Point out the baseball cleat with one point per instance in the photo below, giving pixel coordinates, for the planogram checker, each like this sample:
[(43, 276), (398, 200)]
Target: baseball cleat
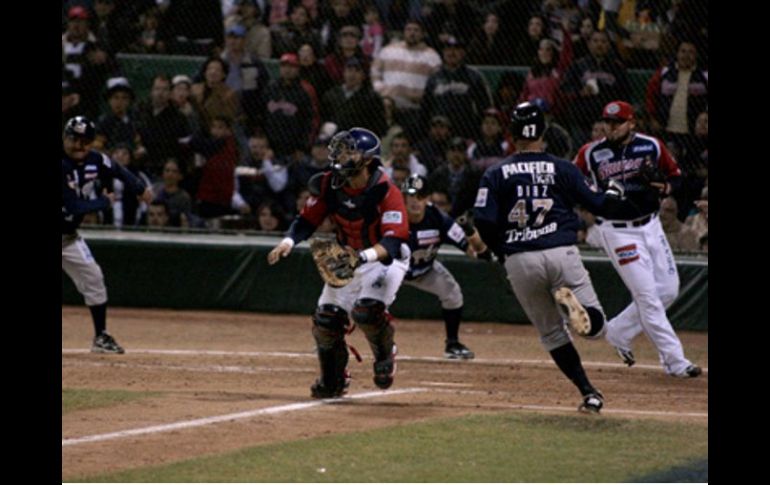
[(105, 344), (384, 370), (578, 316), (320, 391), (455, 350), (626, 356), (691, 371), (592, 403)]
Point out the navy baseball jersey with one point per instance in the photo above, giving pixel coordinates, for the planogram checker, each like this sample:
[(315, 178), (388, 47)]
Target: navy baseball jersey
[(82, 184), (603, 161), (426, 236), (528, 198)]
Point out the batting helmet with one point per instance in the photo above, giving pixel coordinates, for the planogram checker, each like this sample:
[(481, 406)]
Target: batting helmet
[(80, 127), (527, 121), (416, 184), (358, 140)]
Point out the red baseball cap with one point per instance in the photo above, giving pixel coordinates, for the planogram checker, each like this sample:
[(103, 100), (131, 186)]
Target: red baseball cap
[(618, 110), (290, 58), (77, 12)]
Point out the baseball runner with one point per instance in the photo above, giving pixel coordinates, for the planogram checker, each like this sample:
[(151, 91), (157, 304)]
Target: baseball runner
[(86, 177), (634, 239), (429, 227), (370, 216), (524, 213)]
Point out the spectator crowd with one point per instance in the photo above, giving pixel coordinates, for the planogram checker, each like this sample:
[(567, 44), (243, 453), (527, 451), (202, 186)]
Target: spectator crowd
[(233, 145)]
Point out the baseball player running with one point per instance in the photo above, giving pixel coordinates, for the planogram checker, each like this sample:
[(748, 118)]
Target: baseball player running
[(634, 238), (86, 175), (429, 227), (524, 213), (371, 218)]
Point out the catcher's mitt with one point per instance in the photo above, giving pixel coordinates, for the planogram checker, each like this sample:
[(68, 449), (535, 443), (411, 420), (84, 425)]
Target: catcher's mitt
[(335, 263)]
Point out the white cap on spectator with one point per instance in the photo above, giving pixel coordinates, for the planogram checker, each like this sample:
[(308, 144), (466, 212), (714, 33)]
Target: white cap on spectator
[(114, 82), (181, 78)]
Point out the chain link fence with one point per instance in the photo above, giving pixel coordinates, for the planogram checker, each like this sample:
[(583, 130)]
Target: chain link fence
[(226, 105)]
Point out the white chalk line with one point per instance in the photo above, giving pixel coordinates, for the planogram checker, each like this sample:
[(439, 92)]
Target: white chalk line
[(234, 369), (405, 358), (233, 417), (447, 384), (610, 411), (534, 407)]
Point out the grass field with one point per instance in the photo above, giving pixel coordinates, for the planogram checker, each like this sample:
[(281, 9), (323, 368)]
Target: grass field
[(205, 396), (79, 399), (521, 447)]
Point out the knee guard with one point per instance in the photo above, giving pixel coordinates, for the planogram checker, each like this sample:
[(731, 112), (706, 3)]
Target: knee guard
[(597, 322), (330, 323), (368, 312), (374, 321)]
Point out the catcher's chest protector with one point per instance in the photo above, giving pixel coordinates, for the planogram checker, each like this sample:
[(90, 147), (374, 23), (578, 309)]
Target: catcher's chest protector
[(356, 214)]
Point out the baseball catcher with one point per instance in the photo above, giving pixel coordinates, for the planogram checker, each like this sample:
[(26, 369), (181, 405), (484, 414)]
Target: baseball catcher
[(363, 269)]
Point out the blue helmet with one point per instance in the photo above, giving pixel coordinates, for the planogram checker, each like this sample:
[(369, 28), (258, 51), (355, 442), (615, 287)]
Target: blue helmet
[(356, 139), (80, 127), (527, 121)]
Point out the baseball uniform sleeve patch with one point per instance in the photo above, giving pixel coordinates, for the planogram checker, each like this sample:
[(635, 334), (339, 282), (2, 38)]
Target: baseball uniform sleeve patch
[(481, 197), (456, 233), (392, 217)]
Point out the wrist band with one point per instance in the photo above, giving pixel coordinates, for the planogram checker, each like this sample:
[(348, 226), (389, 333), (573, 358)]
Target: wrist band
[(368, 255), (288, 241)]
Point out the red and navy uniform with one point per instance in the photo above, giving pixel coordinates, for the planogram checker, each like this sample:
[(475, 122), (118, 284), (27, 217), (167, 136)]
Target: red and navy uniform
[(426, 236), (364, 217), (604, 161)]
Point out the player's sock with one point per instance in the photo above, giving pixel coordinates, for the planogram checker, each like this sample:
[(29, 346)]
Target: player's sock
[(452, 322), (568, 360), (99, 315)]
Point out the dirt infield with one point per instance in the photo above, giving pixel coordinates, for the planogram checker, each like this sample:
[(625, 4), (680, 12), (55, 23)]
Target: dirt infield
[(210, 364)]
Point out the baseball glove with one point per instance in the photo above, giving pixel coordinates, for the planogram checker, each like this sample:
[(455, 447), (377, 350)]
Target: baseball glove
[(335, 263), (650, 174)]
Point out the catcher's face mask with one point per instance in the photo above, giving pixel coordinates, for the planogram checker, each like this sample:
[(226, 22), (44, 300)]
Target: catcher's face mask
[(346, 159)]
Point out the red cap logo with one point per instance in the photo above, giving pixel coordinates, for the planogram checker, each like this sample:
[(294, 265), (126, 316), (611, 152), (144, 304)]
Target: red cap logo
[(618, 110)]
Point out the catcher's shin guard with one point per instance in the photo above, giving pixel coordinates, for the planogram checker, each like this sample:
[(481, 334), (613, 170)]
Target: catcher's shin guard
[(374, 321), (330, 324)]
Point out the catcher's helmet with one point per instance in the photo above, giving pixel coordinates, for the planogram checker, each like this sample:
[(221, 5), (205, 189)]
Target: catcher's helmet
[(80, 127), (527, 121), (416, 184), (356, 139)]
